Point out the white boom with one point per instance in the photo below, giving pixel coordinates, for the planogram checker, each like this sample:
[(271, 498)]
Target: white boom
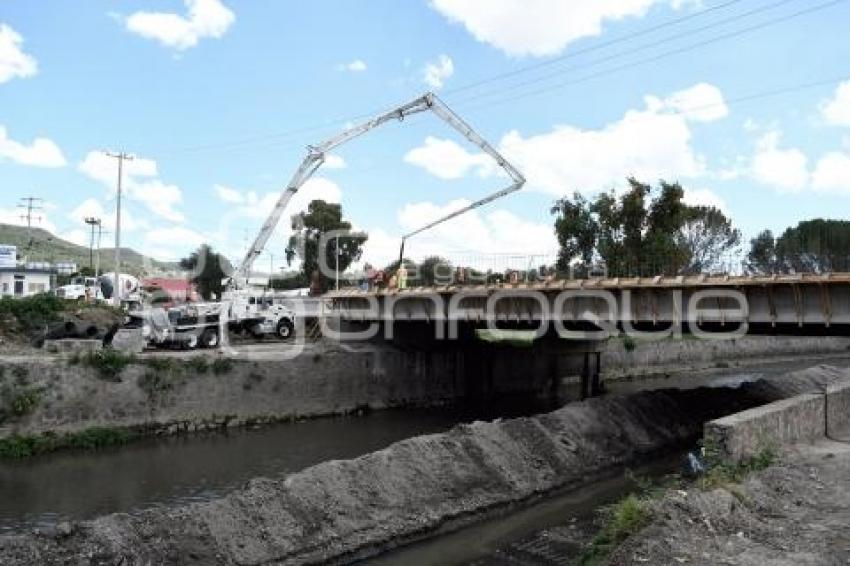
[(316, 156)]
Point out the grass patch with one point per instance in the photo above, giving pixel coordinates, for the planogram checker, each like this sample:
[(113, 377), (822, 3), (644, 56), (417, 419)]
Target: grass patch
[(514, 338), (154, 383), (108, 363), (724, 474), (18, 447), (622, 520), (198, 364), (222, 365)]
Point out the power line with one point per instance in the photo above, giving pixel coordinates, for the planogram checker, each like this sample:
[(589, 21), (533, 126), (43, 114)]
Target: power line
[(333, 123), (592, 48), (637, 49), (662, 55)]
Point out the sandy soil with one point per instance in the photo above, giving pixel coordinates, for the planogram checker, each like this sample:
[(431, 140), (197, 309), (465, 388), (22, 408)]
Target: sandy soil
[(796, 512)]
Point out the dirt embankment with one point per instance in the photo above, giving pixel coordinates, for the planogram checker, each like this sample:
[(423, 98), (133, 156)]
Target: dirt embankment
[(793, 513), (345, 509)]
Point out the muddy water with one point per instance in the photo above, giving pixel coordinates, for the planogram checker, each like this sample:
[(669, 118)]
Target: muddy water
[(551, 530), (171, 470)]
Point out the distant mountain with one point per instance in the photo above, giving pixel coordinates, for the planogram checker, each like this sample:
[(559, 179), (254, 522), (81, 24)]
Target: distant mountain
[(38, 244)]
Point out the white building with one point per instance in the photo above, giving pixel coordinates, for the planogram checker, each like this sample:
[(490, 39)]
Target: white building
[(25, 281)]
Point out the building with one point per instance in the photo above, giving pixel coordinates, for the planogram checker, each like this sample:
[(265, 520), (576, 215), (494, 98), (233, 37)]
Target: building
[(26, 280), (66, 267)]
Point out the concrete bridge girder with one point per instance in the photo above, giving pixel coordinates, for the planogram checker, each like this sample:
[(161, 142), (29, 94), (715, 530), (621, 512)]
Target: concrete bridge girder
[(797, 302)]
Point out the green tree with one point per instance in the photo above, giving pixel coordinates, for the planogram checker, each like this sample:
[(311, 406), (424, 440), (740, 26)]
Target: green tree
[(208, 270), (321, 218), (642, 231), (762, 256), (576, 230), (815, 245), (705, 238)]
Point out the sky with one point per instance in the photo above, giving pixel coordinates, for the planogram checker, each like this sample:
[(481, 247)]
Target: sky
[(746, 103)]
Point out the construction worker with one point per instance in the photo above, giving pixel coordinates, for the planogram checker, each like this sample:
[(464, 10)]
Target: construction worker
[(401, 276)]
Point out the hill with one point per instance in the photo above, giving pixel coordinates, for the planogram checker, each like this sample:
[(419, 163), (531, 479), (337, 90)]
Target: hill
[(40, 245)]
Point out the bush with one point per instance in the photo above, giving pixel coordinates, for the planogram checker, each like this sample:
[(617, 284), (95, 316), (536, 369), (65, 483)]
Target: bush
[(629, 343), (222, 365), (198, 364), (622, 520), (154, 383), (32, 313), (108, 363)]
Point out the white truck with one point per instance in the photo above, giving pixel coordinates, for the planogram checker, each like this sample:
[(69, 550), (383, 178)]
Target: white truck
[(197, 325), (100, 288)]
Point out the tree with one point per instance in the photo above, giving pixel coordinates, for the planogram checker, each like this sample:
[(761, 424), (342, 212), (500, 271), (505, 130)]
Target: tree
[(207, 269), (575, 229), (705, 237), (814, 246), (762, 256), (321, 218), (642, 231)]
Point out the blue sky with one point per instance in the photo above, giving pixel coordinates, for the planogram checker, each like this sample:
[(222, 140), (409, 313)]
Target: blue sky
[(218, 99)]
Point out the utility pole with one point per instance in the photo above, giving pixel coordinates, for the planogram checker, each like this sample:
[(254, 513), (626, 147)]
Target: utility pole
[(92, 221), (121, 157), (30, 204), (336, 258), (100, 233)]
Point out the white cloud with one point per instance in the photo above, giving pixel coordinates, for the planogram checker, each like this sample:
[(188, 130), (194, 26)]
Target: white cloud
[(784, 169), (140, 183), (13, 61), (497, 232), (705, 197), (42, 152), (649, 144), (438, 72), (538, 27), (356, 66), (206, 18), (702, 102), (333, 161), (92, 208), (836, 111), (229, 195), (832, 173), (446, 159), (77, 236)]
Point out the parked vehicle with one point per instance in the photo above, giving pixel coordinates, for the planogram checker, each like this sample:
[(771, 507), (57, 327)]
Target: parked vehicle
[(197, 325)]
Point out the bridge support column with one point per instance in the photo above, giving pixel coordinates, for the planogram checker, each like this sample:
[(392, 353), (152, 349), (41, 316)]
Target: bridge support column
[(591, 383)]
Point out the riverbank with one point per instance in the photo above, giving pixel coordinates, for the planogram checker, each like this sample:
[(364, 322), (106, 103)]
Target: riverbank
[(794, 512), (346, 509), (50, 402)]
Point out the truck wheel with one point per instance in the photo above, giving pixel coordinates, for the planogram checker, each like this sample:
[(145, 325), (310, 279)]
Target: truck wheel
[(285, 329), (209, 339), (192, 342)]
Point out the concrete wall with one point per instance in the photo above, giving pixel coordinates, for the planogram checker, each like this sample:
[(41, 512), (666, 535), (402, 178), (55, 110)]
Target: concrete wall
[(662, 355), (802, 418)]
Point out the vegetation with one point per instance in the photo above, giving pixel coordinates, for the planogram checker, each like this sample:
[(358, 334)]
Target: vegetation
[(725, 474), (812, 246), (29, 313), (323, 217), (222, 365), (109, 363), (17, 447), (629, 343), (208, 270), (641, 232), (153, 383), (622, 520)]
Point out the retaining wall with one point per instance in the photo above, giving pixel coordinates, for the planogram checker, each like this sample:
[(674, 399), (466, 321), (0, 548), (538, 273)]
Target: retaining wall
[(802, 418), (669, 354)]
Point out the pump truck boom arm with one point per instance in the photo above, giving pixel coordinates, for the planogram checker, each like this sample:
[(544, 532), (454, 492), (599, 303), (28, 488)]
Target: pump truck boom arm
[(316, 156)]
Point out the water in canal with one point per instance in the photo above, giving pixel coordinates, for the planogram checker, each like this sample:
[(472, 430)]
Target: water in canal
[(79, 485)]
